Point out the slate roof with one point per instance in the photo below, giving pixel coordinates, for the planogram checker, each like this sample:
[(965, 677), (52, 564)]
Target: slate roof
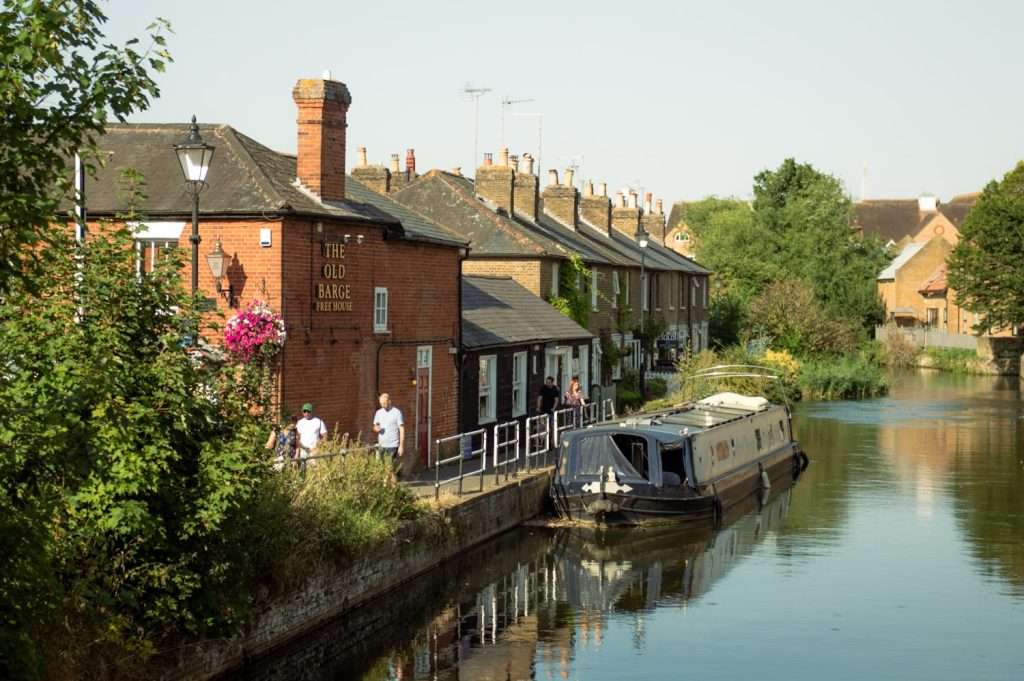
[(893, 219), (246, 178), (908, 252), (496, 311)]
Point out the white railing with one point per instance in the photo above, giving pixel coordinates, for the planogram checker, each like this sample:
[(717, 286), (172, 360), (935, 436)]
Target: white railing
[(589, 414), (608, 409), (538, 438), (505, 452), (561, 421), (466, 451)]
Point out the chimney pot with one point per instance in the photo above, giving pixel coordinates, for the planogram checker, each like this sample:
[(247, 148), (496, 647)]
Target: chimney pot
[(648, 197), (552, 178), (488, 159), (588, 188), (457, 170), (410, 161), (394, 163), (528, 162), (604, 189), (621, 199), (632, 200), (362, 157), (569, 177), (513, 162), (503, 156), (660, 207)]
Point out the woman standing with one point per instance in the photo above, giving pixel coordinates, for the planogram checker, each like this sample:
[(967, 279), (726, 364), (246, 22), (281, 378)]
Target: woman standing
[(575, 399)]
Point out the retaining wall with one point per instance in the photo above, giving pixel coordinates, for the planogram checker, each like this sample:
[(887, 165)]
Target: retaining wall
[(328, 595)]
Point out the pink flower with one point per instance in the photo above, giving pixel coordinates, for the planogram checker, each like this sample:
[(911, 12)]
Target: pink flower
[(256, 329)]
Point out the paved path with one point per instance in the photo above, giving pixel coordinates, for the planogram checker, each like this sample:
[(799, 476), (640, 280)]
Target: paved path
[(422, 482)]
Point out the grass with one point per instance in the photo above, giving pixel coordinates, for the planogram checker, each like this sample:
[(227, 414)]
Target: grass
[(954, 360), (844, 378)]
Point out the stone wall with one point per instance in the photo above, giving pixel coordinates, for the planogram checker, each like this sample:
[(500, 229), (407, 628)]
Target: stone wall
[(1001, 355), (330, 594)]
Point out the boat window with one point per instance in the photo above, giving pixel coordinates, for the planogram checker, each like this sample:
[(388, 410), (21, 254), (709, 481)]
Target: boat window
[(672, 471), (635, 449), (596, 455), (757, 434)]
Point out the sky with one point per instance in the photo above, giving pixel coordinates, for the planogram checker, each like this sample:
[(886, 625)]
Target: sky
[(684, 99)]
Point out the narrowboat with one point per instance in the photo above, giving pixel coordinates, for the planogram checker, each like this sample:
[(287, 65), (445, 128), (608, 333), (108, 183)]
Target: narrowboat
[(691, 462)]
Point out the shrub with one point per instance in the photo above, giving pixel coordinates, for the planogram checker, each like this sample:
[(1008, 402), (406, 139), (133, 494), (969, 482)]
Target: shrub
[(791, 316), (955, 360), (692, 387), (850, 377), (727, 317), (628, 399), (656, 387), (899, 352)]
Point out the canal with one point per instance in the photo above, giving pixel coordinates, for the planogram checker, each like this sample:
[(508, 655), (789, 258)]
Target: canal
[(898, 554)]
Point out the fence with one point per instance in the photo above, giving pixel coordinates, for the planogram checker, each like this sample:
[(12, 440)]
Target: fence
[(514, 446), (924, 337)]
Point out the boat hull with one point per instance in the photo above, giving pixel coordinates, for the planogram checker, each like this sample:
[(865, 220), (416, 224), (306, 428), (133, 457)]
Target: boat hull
[(708, 503)]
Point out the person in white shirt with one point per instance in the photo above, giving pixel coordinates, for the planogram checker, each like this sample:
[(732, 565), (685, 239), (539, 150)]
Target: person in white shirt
[(311, 430), (390, 428)]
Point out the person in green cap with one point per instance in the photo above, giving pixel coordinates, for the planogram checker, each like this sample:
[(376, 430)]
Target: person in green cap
[(311, 430)]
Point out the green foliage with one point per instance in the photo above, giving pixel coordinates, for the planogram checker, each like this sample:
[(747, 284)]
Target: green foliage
[(58, 84), (573, 298), (792, 318), (656, 387), (850, 377), (985, 267), (783, 390), (797, 228), (125, 452), (611, 354), (727, 317), (953, 360), (897, 351), (654, 328)]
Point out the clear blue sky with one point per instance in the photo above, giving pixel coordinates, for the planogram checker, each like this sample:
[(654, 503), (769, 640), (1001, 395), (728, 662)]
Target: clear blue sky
[(685, 99)]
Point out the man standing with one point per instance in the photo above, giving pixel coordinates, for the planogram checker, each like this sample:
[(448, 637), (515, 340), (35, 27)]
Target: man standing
[(390, 428), (311, 430), (549, 396)]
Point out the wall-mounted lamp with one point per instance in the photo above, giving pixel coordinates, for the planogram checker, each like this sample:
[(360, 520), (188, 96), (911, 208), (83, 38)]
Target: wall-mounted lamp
[(215, 259), (412, 377), (346, 238), (359, 239)]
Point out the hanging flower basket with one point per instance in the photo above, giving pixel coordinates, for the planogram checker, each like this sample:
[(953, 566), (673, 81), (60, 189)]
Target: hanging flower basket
[(256, 330)]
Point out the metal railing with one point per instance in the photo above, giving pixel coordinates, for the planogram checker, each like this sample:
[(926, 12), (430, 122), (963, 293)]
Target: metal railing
[(505, 452), (466, 451), (608, 409), (589, 414), (538, 438)]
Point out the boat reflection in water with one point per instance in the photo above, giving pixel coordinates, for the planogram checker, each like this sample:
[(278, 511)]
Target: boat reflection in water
[(529, 623)]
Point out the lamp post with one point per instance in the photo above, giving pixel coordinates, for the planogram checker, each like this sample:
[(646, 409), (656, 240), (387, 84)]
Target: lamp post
[(641, 237), (194, 157)]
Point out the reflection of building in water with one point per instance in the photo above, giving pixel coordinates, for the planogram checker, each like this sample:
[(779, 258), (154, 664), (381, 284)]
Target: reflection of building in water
[(529, 623)]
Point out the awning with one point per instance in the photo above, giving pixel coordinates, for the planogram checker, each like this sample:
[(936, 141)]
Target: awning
[(904, 312)]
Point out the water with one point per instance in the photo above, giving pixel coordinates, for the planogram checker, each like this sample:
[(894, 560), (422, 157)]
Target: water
[(899, 554)]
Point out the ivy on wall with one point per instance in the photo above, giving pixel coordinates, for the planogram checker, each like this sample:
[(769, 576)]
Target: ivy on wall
[(573, 298)]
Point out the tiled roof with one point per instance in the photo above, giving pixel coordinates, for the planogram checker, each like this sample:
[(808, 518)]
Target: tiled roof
[(496, 311), (908, 252), (937, 282), (245, 178), (893, 219)]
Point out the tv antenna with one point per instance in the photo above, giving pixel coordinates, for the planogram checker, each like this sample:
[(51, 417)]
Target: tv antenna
[(506, 102), (475, 92)]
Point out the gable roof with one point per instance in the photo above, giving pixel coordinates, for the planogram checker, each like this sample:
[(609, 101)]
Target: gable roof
[(893, 219), (245, 178), (496, 311), (936, 283), (908, 252)]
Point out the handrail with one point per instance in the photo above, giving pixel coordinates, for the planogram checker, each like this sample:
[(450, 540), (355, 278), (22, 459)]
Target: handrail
[(502, 443), (538, 437), (466, 451)]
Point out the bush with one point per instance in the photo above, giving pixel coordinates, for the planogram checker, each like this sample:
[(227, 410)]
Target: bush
[(783, 389), (955, 360), (850, 377), (727, 317), (898, 351), (789, 314), (656, 387), (628, 399)]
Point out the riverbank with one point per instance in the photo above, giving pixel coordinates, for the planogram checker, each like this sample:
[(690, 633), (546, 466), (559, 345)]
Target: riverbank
[(330, 591)]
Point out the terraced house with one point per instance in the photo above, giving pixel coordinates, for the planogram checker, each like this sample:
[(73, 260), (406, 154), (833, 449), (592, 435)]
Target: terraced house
[(533, 236)]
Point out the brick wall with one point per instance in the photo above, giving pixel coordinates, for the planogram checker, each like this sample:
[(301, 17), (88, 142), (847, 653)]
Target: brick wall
[(532, 274)]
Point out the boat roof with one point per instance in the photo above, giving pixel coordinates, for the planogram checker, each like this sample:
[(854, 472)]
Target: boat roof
[(678, 423)]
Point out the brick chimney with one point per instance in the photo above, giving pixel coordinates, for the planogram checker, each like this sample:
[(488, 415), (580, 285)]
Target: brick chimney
[(495, 182), (595, 208), (654, 224), (377, 177), (561, 200), (524, 196), (320, 155), (402, 178), (626, 215)]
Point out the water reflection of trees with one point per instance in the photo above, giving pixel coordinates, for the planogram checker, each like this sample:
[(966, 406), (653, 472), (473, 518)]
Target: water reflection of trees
[(529, 623)]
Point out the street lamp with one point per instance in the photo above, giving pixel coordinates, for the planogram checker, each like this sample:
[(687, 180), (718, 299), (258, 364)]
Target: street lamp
[(194, 157), (642, 237)]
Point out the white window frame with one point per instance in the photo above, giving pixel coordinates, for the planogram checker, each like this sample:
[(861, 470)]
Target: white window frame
[(617, 368), (615, 289), (584, 368), (595, 354), (380, 311), (554, 279), (519, 383), (486, 388), (593, 288)]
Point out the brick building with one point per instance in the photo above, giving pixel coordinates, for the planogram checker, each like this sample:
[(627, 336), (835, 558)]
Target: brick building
[(369, 289), (518, 231)]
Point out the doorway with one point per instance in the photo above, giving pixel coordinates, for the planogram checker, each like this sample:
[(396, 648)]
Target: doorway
[(424, 365)]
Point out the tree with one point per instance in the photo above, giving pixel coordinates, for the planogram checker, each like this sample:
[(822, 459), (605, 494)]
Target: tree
[(126, 450), (985, 267), (58, 84), (733, 244)]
